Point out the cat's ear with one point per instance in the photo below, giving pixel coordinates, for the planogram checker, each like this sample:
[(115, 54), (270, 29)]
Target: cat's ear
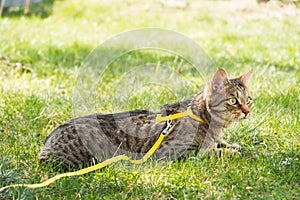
[(219, 80), (244, 79)]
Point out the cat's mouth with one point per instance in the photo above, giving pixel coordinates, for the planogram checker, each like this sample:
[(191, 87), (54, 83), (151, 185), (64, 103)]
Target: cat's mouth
[(240, 116)]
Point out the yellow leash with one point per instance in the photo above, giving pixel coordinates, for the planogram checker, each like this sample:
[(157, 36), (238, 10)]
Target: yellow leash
[(92, 168), (159, 118)]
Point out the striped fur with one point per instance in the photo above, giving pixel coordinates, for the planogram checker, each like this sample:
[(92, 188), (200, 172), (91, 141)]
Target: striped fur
[(82, 140)]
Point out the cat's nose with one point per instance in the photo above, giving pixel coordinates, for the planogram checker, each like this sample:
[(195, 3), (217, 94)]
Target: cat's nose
[(245, 110), (246, 113)]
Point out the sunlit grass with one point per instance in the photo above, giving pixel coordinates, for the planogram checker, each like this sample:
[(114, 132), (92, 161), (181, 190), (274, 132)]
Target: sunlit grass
[(40, 57)]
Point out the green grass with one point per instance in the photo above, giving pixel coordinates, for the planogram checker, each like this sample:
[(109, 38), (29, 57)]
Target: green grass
[(40, 57)]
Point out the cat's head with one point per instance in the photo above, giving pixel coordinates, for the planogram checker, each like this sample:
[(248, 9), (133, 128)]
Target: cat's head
[(228, 99)]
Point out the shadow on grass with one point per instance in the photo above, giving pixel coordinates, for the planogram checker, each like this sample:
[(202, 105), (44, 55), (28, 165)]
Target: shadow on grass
[(232, 62), (46, 60)]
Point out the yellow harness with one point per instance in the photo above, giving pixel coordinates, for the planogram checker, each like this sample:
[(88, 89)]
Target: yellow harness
[(159, 118), (188, 113)]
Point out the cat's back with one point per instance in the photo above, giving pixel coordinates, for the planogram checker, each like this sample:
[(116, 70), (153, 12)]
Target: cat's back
[(101, 136), (79, 140)]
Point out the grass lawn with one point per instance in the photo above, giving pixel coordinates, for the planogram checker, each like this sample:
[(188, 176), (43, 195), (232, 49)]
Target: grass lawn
[(41, 55)]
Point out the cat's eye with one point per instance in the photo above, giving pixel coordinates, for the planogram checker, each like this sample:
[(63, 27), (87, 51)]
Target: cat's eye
[(232, 101), (248, 100)]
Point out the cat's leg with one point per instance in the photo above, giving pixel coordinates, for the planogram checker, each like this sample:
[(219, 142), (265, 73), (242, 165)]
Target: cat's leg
[(228, 151), (221, 146), (224, 144)]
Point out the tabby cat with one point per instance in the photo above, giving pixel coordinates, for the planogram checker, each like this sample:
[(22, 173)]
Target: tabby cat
[(84, 140)]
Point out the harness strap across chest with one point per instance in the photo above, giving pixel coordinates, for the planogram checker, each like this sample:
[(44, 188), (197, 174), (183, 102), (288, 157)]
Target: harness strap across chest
[(187, 113)]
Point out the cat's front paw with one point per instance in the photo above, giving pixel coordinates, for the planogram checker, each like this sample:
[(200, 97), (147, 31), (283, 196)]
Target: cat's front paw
[(232, 151), (228, 151), (236, 146), (224, 144)]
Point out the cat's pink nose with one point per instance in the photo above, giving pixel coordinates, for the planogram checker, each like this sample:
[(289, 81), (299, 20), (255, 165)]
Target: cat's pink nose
[(245, 110)]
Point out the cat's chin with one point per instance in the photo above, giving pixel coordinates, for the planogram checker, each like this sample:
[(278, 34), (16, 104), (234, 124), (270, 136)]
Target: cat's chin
[(237, 119), (240, 118)]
